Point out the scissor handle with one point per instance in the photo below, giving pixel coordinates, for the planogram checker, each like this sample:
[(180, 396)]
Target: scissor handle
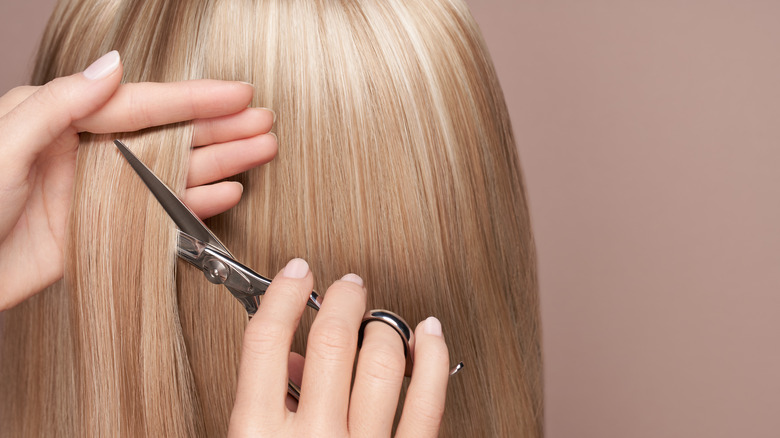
[(399, 325), (200, 247), (396, 323), (380, 315)]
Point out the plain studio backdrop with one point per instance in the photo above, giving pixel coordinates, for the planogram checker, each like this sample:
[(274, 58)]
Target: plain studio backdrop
[(649, 134)]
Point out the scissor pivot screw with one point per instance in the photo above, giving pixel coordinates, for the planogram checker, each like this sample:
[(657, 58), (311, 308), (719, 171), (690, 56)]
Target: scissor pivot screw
[(216, 271)]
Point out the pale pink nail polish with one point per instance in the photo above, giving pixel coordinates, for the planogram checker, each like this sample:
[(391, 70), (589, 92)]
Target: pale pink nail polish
[(103, 67), (354, 278), (296, 268), (432, 326)]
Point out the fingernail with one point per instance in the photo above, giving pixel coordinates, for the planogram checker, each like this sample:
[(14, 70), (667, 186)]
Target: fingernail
[(432, 326), (353, 278), (103, 67), (241, 186), (296, 268), (271, 111)]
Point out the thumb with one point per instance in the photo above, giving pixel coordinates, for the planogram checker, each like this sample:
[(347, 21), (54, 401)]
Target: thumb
[(49, 112)]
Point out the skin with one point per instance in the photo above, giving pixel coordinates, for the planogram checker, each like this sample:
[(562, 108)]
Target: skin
[(328, 407), (39, 140)]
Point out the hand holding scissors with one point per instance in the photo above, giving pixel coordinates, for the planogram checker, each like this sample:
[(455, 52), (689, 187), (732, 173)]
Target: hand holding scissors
[(198, 246), (39, 129), (40, 126), (328, 406)]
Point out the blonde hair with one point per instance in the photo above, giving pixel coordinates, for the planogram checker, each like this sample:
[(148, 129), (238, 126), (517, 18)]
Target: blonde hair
[(396, 161)]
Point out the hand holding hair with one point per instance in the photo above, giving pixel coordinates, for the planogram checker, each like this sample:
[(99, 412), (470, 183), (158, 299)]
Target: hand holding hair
[(327, 407), (39, 129)]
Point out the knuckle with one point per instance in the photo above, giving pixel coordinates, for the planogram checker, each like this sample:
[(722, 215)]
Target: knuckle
[(383, 362), (46, 94), (437, 352), (288, 290), (192, 100), (220, 163), (138, 114), (204, 129), (245, 423), (262, 338), (330, 339), (319, 429), (55, 92), (428, 411), (55, 89), (352, 291)]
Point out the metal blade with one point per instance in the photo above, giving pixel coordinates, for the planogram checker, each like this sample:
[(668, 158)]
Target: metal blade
[(182, 216)]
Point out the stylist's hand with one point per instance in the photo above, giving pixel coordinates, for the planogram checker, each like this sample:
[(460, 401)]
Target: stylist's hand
[(327, 407), (39, 129)]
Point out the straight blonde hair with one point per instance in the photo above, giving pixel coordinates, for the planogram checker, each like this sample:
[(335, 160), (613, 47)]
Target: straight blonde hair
[(396, 161)]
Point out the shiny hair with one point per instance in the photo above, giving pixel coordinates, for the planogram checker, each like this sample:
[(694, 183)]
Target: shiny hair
[(396, 161)]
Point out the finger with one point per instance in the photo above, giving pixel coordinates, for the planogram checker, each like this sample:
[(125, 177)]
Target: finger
[(424, 405), (215, 162), (211, 200), (262, 378), (380, 373), (50, 111), (295, 364), (244, 124), (14, 97), (142, 105), (330, 355)]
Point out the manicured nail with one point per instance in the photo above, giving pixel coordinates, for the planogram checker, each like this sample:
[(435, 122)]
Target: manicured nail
[(432, 326), (241, 186), (271, 111), (248, 83), (103, 67), (296, 268), (353, 278)]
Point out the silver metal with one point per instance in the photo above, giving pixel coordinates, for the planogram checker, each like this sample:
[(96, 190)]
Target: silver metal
[(244, 283), (456, 369), (294, 390), (198, 246), (182, 216), (396, 323), (403, 329), (215, 271)]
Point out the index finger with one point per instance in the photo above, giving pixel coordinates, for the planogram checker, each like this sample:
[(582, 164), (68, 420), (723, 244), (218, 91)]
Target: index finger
[(146, 104), (262, 377)]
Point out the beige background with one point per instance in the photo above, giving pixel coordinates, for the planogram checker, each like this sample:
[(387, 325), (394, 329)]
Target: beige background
[(649, 133)]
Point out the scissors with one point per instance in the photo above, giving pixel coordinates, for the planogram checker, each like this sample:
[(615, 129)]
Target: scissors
[(198, 246)]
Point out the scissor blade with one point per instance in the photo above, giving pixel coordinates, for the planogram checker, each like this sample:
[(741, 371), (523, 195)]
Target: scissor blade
[(182, 216)]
